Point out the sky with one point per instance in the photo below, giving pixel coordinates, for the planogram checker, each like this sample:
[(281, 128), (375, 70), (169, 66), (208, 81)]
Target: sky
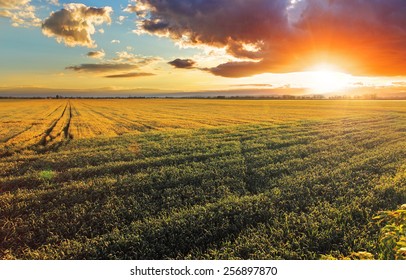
[(150, 46)]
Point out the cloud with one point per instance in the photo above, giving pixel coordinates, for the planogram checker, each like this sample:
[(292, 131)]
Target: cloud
[(121, 19), (237, 69), (96, 54), (75, 24), (20, 12), (182, 63), (216, 23), (101, 67), (129, 75), (126, 57), (53, 2), (110, 70), (124, 65), (253, 85), (11, 4), (403, 84), (361, 37), (5, 13), (115, 41)]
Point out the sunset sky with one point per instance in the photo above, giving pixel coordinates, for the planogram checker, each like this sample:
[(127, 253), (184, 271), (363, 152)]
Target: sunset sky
[(146, 46)]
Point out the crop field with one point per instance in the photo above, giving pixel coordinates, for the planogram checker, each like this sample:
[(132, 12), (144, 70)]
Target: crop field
[(198, 179)]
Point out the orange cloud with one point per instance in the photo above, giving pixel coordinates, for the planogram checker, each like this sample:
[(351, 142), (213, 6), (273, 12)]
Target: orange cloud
[(360, 37), (129, 75)]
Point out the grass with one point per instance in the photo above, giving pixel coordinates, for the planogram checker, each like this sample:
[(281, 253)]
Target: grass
[(197, 179)]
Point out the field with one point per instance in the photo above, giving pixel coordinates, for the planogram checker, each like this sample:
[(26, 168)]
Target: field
[(198, 179)]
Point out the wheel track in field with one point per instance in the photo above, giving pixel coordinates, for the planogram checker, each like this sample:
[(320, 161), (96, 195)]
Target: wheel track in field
[(17, 134), (81, 127), (64, 132), (36, 140), (47, 133), (67, 126), (65, 129), (27, 128), (54, 111)]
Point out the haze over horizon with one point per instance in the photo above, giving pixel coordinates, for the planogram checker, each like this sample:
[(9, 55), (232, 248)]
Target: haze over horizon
[(191, 46)]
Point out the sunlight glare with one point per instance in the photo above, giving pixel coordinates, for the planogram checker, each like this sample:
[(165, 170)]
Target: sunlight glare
[(325, 78)]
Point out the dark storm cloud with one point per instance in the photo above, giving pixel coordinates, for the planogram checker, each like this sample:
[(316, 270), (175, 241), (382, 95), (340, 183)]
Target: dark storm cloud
[(215, 22), (363, 37), (182, 63)]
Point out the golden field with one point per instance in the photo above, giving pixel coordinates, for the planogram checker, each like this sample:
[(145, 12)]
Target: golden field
[(201, 179), (26, 123)]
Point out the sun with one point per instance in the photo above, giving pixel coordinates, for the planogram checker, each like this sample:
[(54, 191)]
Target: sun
[(325, 78)]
